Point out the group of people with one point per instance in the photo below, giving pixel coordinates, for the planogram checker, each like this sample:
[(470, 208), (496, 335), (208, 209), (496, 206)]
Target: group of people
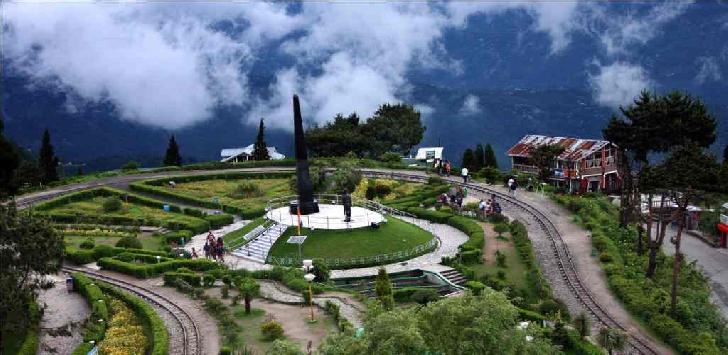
[(214, 248), (454, 197), (443, 167), (489, 207)]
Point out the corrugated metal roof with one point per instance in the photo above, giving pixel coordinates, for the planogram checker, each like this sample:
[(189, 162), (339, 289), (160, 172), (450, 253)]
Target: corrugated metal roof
[(229, 153), (574, 148)]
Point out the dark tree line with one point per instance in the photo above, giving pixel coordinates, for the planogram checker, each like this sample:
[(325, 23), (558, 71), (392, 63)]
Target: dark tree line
[(392, 128), (481, 157)]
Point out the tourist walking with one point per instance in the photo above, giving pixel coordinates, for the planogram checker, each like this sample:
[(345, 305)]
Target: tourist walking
[(194, 253), (447, 167), (206, 249), (220, 248), (464, 173), (512, 186)]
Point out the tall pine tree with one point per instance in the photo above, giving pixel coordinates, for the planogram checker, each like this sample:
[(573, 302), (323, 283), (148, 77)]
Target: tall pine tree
[(9, 162), (469, 160), (172, 156), (489, 159), (260, 150), (47, 160), (479, 157)]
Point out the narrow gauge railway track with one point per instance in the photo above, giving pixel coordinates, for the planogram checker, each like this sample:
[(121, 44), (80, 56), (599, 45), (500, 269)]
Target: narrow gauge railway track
[(560, 251), (190, 342)]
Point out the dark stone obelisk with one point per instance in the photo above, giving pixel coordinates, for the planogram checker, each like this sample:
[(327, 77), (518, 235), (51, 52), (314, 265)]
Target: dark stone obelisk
[(305, 202)]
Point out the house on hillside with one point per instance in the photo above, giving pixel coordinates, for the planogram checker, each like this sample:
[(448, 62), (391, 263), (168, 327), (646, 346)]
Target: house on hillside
[(585, 165), (429, 154), (236, 155)]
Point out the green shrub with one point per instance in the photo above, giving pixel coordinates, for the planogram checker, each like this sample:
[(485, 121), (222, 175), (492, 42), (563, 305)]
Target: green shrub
[(424, 295), (476, 286), (129, 242), (79, 257), (246, 189), (226, 351), (111, 204), (271, 330), (500, 258), (171, 278), (130, 165), (87, 244), (219, 220), (390, 157)]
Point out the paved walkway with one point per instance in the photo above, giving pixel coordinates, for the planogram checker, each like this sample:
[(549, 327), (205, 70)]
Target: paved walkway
[(61, 328), (712, 261)]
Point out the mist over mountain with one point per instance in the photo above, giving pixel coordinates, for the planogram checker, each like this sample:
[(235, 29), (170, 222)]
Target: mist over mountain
[(208, 72)]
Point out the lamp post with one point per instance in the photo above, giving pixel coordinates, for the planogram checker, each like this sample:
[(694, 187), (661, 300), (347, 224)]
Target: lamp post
[(308, 268)]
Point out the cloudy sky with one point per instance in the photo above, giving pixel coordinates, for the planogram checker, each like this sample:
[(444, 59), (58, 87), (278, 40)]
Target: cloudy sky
[(170, 65)]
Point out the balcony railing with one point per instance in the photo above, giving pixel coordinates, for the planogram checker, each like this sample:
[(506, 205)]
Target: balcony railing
[(526, 168)]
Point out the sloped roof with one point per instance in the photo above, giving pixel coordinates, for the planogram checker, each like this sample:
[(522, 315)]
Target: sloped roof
[(230, 153), (574, 148)]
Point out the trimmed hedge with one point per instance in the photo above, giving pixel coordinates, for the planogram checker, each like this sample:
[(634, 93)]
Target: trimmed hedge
[(171, 277), (85, 256), (175, 236), (30, 342), (525, 252), (94, 331), (143, 271), (219, 220), (333, 310)]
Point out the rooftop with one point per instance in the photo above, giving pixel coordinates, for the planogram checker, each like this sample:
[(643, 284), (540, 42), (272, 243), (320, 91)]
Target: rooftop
[(574, 148)]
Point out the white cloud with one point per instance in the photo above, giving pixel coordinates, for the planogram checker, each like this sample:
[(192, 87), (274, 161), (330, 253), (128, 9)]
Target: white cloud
[(471, 105), (619, 83), (163, 73), (708, 70), (624, 32)]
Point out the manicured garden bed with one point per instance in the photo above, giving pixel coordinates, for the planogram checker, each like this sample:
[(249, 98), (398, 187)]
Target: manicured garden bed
[(391, 237), (222, 191)]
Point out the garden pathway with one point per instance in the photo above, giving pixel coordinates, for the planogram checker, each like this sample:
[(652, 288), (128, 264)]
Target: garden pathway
[(349, 307), (491, 243), (61, 327), (712, 261)]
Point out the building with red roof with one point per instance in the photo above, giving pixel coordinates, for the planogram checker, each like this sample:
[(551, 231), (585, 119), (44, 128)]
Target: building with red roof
[(585, 165)]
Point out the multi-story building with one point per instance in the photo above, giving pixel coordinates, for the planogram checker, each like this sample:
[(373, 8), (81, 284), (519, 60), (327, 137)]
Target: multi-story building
[(585, 164)]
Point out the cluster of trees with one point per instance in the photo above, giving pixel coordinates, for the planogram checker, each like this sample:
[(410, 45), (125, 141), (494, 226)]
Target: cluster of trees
[(678, 128), (470, 324), (18, 168), (479, 158), (393, 128)]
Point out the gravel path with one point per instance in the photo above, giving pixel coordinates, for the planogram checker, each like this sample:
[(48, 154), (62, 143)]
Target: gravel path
[(349, 307), (712, 261), (61, 328)]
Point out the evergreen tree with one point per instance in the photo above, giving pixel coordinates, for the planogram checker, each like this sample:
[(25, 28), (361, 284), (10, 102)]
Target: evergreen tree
[(468, 159), (47, 160), (260, 150), (725, 154), (489, 159), (172, 156), (9, 162), (383, 288), (479, 157)]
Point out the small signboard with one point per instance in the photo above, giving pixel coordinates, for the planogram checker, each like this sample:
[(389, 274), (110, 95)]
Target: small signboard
[(296, 239)]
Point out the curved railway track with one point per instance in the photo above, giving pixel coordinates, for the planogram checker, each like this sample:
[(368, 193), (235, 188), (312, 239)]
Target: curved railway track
[(560, 251), (567, 268), (188, 342)]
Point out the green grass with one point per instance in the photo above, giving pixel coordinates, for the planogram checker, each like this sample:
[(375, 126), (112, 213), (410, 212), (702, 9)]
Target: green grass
[(515, 269), (93, 207), (238, 233), (149, 242), (222, 188), (393, 236)]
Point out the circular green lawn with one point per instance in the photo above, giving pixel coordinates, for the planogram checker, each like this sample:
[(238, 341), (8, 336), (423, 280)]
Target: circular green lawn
[(391, 237)]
